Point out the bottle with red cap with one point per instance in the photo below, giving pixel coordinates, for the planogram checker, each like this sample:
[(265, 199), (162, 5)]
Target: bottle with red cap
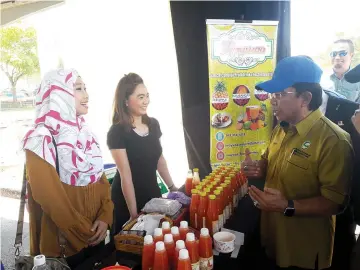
[(170, 249), (193, 249), (184, 260), (180, 244), (161, 261), (148, 253), (205, 250)]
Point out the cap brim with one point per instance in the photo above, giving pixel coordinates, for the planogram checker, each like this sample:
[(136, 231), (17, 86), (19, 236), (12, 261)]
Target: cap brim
[(272, 86)]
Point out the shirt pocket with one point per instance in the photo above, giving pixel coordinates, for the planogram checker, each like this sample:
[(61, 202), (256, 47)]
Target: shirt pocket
[(299, 162)]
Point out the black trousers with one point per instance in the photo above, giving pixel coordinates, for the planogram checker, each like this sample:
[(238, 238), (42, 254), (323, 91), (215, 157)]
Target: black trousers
[(76, 260)]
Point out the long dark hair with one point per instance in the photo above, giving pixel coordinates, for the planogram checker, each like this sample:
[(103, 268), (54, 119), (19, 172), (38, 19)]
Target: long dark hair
[(124, 89)]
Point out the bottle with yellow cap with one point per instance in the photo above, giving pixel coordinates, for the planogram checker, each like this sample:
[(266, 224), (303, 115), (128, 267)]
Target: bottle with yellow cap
[(226, 200), (230, 196), (219, 208), (222, 202), (195, 198), (201, 213), (212, 218)]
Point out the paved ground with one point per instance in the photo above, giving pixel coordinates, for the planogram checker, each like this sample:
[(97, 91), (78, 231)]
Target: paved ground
[(8, 217)]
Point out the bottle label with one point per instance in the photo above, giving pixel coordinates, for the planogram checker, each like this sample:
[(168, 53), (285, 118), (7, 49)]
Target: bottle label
[(195, 266), (221, 221), (203, 223), (215, 226), (196, 221), (206, 263)]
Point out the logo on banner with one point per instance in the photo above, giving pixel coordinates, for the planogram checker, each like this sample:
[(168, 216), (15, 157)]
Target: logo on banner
[(242, 48)]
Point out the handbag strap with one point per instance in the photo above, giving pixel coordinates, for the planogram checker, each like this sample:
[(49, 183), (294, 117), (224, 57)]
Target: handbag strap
[(20, 223)]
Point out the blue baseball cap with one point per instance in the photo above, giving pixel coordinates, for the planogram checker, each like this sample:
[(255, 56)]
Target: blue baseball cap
[(289, 71)]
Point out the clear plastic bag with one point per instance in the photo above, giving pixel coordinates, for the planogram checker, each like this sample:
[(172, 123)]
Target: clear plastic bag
[(162, 206)]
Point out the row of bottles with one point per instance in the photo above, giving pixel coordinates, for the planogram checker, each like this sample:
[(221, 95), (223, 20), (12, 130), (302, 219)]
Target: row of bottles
[(215, 198), (184, 255)]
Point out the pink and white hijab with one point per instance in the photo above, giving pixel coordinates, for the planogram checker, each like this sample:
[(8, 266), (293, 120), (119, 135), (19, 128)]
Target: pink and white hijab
[(79, 154)]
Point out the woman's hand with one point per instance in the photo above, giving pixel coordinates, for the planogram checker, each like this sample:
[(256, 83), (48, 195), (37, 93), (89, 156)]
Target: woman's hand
[(100, 229), (173, 188)]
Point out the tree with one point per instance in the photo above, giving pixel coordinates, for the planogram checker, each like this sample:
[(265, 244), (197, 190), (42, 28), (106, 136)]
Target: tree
[(18, 54)]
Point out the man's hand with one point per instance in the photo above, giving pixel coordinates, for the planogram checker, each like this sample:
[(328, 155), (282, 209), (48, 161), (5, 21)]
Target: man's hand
[(268, 200), (252, 169), (356, 120), (100, 229)]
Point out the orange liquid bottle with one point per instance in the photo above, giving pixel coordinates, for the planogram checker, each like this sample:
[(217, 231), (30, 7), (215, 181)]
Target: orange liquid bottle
[(184, 260), (205, 250), (230, 195), (193, 249), (148, 253), (207, 191), (161, 261), (226, 201), (184, 229), (219, 208), (188, 183), (195, 198), (166, 227), (180, 244), (222, 203), (158, 235), (175, 233), (196, 178), (212, 217), (201, 214), (170, 249)]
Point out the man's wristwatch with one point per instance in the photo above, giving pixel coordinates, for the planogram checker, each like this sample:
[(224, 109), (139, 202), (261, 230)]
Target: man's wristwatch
[(290, 209)]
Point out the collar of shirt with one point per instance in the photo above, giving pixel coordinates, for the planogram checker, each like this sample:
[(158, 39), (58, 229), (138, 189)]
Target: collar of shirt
[(333, 76)]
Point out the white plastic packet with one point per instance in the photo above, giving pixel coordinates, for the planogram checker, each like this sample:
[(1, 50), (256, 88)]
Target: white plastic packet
[(147, 223), (163, 206)]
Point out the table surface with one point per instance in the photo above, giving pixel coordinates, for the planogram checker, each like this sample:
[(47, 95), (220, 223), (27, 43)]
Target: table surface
[(245, 219)]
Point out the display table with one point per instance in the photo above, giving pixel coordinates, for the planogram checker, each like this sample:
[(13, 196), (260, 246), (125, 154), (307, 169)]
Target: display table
[(245, 219)]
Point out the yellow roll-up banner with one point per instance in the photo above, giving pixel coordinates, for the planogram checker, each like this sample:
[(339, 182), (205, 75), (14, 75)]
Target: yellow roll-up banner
[(240, 55)]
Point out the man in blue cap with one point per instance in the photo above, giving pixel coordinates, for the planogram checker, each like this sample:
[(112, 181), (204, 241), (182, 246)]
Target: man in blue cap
[(308, 168)]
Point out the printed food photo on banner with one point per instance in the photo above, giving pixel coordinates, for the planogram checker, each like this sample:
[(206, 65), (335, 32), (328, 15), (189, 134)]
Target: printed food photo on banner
[(240, 55)]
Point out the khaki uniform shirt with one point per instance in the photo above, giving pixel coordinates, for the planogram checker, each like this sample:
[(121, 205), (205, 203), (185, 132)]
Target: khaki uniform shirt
[(313, 158)]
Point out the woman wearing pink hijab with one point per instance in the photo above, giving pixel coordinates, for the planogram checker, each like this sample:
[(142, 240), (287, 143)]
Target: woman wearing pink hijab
[(69, 195)]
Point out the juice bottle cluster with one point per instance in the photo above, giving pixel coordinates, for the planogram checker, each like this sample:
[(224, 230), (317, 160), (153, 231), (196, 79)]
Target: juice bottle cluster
[(177, 250), (215, 198)]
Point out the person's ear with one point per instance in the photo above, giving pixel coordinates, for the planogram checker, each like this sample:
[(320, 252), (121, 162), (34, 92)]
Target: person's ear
[(306, 97)]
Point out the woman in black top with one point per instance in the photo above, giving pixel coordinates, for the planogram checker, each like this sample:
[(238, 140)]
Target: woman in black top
[(134, 142)]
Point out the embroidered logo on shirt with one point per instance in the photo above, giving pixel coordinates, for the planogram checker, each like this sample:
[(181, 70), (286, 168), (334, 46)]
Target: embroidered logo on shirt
[(306, 145), (340, 123)]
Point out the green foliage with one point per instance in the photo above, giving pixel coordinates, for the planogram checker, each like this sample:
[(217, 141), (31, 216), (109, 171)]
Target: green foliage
[(18, 54)]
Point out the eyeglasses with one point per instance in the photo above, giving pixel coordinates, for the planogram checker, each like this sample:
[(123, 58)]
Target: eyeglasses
[(279, 95), (340, 53)]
